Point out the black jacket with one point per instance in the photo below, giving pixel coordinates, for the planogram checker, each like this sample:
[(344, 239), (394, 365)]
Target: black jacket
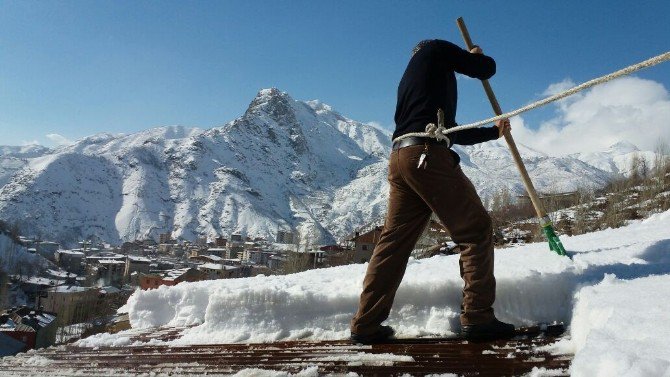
[(429, 83)]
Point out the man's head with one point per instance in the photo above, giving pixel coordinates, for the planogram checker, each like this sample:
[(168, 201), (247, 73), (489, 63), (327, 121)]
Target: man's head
[(420, 45)]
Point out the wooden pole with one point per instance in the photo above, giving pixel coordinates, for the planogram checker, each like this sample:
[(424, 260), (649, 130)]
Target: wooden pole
[(537, 204)]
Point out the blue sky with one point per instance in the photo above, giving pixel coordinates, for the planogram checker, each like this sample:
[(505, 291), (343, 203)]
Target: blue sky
[(76, 68)]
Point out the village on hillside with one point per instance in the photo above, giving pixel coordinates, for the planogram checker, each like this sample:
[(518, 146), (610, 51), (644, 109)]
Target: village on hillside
[(80, 291)]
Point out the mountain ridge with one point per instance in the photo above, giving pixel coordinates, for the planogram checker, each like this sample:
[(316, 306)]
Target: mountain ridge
[(283, 165)]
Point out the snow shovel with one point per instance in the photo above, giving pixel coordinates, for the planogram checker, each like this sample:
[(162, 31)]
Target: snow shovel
[(545, 222)]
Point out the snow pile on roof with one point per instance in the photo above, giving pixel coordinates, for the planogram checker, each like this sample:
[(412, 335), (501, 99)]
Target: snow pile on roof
[(70, 252), (60, 273), (620, 328), (211, 266), (534, 285), (110, 261), (212, 257), (138, 259), (69, 289), (174, 274)]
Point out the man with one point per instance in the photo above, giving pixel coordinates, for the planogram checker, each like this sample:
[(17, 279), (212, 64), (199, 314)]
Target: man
[(425, 177)]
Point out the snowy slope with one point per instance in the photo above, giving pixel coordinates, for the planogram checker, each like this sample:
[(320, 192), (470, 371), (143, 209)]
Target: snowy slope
[(15, 259), (15, 158), (618, 325), (284, 164), (490, 167)]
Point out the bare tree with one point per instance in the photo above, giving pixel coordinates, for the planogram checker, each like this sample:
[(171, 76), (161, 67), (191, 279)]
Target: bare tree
[(4, 289), (297, 260)]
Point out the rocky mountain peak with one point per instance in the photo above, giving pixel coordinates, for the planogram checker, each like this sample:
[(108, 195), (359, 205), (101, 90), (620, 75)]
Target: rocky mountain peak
[(271, 101)]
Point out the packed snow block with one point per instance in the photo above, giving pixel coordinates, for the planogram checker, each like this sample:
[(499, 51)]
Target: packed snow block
[(320, 303), (620, 328), (534, 285)]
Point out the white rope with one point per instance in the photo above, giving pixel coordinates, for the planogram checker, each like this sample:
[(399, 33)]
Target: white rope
[(600, 80)]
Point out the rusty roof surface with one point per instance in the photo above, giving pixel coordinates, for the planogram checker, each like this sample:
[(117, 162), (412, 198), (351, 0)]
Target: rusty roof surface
[(338, 357)]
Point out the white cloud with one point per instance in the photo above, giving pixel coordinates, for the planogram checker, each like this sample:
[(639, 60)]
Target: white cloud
[(628, 109), (59, 139), (558, 87), (25, 143)]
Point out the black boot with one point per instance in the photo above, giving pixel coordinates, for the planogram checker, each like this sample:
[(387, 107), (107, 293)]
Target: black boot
[(380, 336), (488, 331)]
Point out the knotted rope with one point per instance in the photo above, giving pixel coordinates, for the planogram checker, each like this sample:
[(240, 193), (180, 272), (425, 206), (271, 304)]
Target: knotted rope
[(438, 132), (433, 131)]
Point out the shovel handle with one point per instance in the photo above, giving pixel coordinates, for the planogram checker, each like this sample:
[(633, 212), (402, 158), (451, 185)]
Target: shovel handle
[(534, 198)]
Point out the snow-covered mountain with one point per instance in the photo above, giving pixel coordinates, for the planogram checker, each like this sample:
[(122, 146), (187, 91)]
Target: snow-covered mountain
[(284, 164), (618, 158), (279, 166)]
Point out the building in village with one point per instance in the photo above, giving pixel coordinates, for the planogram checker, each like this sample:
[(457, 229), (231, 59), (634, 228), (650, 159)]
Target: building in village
[(111, 272), (365, 243), (285, 237), (71, 261), (163, 264), (336, 255), (166, 248), (47, 249), (165, 238), (201, 241), (137, 264), (206, 258), (72, 303), (14, 338), (106, 268), (235, 247), (259, 257), (33, 286), (314, 258), (246, 248), (219, 251), (171, 277), (213, 271), (557, 199), (275, 262), (134, 247), (220, 242), (67, 277), (24, 328)]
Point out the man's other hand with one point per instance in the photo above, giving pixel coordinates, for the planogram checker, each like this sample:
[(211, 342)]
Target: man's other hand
[(503, 126), (476, 50)]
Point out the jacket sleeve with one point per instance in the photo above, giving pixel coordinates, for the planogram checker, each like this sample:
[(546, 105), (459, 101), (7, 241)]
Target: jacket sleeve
[(475, 135), (477, 66)]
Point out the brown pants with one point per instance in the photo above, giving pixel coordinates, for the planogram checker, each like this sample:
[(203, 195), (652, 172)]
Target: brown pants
[(415, 193)]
